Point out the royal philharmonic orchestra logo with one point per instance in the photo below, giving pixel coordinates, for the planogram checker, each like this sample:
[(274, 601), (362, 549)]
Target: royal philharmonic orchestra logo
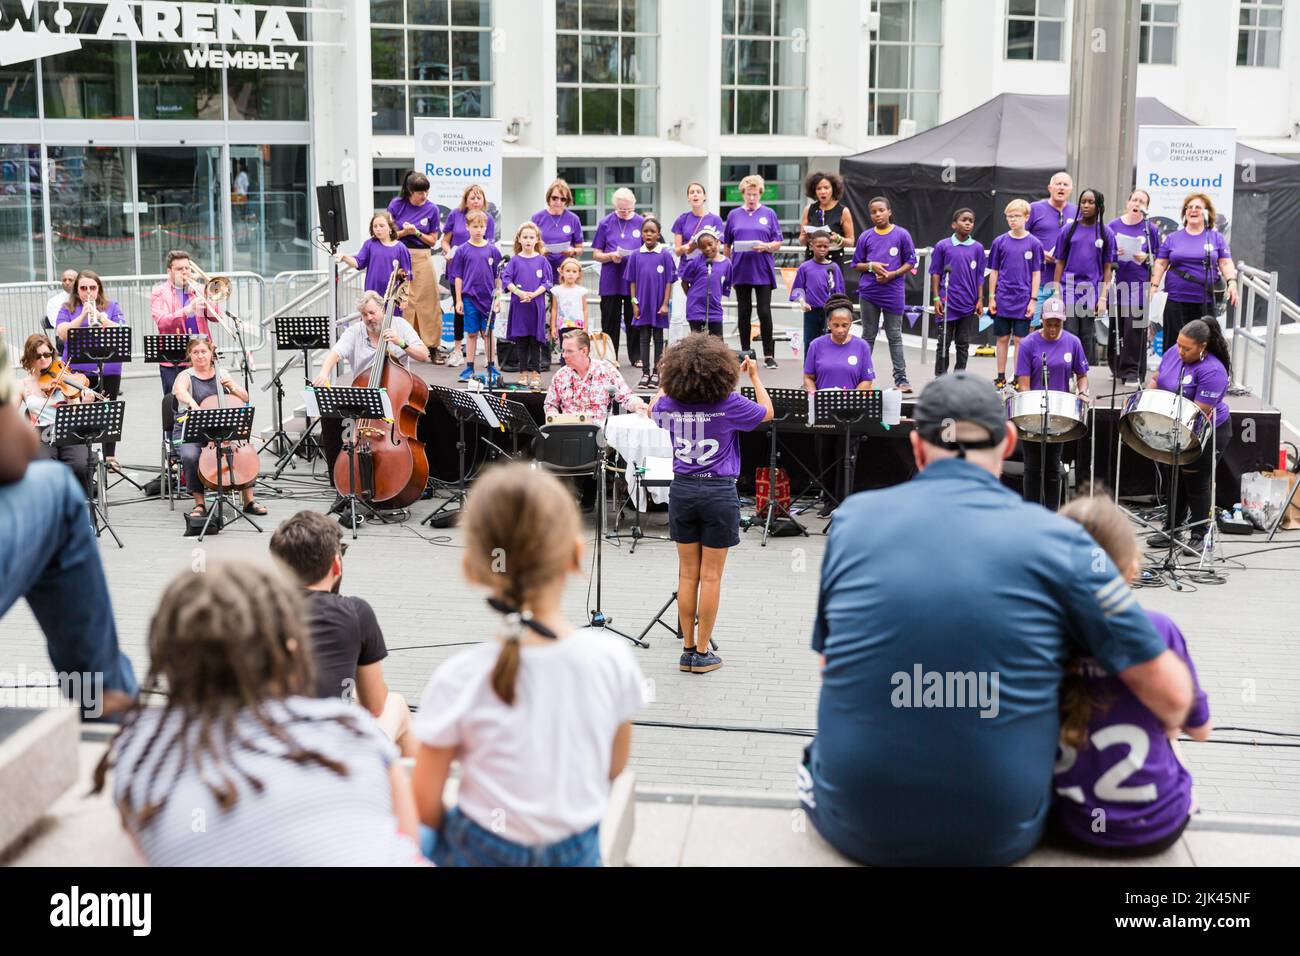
[(207, 27)]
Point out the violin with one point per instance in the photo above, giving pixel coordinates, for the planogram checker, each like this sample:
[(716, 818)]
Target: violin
[(59, 378)]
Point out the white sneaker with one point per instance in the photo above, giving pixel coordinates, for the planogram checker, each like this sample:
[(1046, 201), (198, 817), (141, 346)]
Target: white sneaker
[(456, 358)]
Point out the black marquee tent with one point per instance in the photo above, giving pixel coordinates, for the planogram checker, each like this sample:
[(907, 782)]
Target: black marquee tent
[(1010, 146)]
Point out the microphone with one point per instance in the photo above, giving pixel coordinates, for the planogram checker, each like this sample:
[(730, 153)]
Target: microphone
[(1046, 387)]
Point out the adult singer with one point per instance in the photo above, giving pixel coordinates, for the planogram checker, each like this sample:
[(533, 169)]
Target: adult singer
[(1044, 360), (1189, 262), (753, 272), (418, 226), (1137, 241)]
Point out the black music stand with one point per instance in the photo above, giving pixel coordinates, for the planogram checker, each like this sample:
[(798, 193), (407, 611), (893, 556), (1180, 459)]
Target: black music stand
[(463, 409), (350, 404), (790, 405), (515, 419), (295, 333), (796, 423), (222, 424), (855, 410), (170, 347), (102, 345), (89, 424)]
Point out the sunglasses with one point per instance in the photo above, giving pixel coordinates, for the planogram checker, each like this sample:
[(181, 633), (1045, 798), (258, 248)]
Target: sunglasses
[(41, 355), (87, 288)]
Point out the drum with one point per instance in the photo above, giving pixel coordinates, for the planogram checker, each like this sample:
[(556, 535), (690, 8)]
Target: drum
[(1067, 415), (1154, 422)]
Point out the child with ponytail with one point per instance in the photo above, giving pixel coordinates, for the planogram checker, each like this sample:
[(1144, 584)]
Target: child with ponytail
[(540, 718)]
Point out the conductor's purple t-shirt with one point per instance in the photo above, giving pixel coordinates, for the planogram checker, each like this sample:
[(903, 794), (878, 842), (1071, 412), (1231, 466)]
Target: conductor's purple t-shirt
[(706, 438)]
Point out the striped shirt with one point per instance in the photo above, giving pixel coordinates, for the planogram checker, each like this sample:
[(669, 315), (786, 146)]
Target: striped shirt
[(305, 815)]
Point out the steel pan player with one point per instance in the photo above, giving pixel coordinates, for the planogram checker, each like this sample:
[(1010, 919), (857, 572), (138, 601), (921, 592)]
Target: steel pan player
[(1064, 354), (1198, 367)]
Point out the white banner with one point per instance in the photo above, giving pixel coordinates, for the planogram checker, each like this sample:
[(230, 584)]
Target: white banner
[(453, 153), (1176, 160)]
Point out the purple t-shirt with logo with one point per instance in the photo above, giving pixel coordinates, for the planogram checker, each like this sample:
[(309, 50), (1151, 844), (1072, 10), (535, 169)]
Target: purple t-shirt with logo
[(1131, 277), (423, 218), (890, 249), (694, 273), (476, 267), (706, 438), (1091, 250), (688, 224), (111, 314), (1187, 252), (528, 274), (562, 230), (758, 225), (1205, 381), (1045, 221), (1015, 261), (1127, 787), (613, 234), (815, 282), (377, 259), (967, 261), (1065, 360), (459, 232), (839, 366), (653, 272)]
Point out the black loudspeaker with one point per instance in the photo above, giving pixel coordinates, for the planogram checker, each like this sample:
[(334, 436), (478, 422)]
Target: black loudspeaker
[(333, 213)]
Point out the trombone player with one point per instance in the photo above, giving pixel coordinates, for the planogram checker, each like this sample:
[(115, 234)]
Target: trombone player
[(178, 305)]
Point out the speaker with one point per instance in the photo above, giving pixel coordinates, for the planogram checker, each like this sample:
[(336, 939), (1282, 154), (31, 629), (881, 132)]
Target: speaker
[(333, 213)]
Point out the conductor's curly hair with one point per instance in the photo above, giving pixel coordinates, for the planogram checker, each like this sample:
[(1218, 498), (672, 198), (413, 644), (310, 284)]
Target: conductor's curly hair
[(699, 370)]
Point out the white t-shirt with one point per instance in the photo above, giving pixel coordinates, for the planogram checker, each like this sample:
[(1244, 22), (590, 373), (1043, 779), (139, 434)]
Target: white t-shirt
[(538, 771), (354, 347), (571, 301), (54, 304), (305, 814)]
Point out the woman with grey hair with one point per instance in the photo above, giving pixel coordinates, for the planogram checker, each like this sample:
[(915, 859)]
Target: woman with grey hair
[(618, 235)]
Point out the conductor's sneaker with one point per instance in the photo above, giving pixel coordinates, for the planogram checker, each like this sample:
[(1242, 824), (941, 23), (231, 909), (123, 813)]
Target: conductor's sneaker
[(768, 362), (466, 374), (703, 663), (687, 659)]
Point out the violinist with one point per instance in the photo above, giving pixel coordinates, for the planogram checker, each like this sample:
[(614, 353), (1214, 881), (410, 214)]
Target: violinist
[(43, 391), (89, 307), (202, 379)]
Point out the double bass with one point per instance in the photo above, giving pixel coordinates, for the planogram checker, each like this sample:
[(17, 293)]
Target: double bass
[(392, 467), (241, 466)]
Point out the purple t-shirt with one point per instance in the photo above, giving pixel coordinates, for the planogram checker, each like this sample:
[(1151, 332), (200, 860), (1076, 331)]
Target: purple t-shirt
[(1131, 277), (815, 282), (653, 272), (891, 250), (1205, 381), (423, 218), (1045, 221), (613, 233), (1187, 253), (706, 438), (688, 224), (477, 268), (1091, 250), (528, 274), (459, 232), (114, 315), (695, 270), (377, 259), (758, 225), (1015, 261), (562, 230), (839, 366), (967, 260), (1065, 360), (1127, 786)]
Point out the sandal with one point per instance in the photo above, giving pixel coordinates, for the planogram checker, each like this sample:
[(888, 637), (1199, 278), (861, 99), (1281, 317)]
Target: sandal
[(254, 508), (198, 511)]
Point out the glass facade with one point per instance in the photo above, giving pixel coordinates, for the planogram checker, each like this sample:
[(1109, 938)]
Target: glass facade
[(782, 188), (1035, 29), (607, 67), (594, 183), (764, 66), (92, 221), (22, 214), (905, 66)]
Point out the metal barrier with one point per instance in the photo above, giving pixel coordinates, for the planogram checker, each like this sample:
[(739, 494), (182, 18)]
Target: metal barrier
[(1258, 295)]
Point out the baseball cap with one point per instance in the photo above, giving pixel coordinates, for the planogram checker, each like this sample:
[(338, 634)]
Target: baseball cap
[(960, 397), (1053, 308)]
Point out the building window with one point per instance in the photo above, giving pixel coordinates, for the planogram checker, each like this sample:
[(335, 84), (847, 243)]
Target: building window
[(905, 66), (594, 184), (1159, 35), (93, 82), (764, 67), (387, 181), (22, 219), (429, 58), (1259, 33), (1035, 29), (606, 67), (782, 188)]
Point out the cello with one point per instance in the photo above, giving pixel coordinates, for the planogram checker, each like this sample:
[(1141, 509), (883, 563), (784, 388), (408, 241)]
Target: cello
[(242, 464), (392, 467)]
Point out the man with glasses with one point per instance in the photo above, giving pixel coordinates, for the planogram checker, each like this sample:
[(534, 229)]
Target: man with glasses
[(60, 299), (1047, 217)]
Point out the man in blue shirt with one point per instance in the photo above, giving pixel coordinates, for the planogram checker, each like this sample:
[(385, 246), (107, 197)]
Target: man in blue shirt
[(938, 722)]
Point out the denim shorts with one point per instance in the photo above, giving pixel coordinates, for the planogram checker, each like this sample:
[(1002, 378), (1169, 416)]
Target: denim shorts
[(462, 842), (1003, 327), (476, 321), (704, 511)]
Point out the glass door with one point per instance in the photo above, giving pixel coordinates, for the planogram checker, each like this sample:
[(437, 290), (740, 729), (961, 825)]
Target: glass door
[(92, 220), (179, 205)]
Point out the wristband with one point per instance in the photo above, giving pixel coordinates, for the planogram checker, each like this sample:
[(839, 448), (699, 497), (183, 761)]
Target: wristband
[(938, 298)]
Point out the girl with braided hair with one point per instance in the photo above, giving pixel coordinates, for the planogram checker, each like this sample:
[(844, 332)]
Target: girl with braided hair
[(540, 719), (242, 766), (1085, 259)]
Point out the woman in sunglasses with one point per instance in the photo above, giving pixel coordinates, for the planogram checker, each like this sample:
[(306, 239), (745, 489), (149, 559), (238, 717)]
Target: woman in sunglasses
[(42, 402)]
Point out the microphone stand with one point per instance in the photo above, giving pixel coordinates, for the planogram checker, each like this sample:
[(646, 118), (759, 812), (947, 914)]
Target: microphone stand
[(943, 320), (1042, 442), (1170, 566)]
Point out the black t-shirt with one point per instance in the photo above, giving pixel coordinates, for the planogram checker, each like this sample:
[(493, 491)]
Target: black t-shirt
[(344, 635)]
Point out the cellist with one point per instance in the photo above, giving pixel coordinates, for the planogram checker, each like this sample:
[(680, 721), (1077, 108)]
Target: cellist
[(202, 380), (41, 399)]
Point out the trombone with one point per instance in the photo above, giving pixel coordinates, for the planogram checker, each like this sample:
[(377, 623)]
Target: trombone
[(214, 289)]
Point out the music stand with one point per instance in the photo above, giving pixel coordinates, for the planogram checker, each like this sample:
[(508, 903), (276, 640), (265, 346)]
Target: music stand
[(514, 418), (855, 410), (102, 345), (295, 333), (350, 404), (789, 405), (88, 424), (169, 347), (463, 409), (796, 423), (222, 424)]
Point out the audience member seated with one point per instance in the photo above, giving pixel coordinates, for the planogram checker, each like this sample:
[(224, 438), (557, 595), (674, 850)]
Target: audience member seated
[(541, 719), (345, 636), (48, 555), (1120, 783), (938, 719), (242, 766), (42, 404)]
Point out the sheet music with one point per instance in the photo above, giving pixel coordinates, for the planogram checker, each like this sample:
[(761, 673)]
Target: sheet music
[(484, 408), (1128, 245), (744, 245), (557, 247), (309, 399)]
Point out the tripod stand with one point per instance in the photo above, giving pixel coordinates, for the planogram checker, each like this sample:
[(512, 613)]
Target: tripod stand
[(77, 424), (303, 333), (102, 345), (789, 405), (351, 405), (226, 423), (462, 407)]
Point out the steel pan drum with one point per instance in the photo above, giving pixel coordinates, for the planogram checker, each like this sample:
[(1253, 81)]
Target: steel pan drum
[(1154, 422), (1067, 415)]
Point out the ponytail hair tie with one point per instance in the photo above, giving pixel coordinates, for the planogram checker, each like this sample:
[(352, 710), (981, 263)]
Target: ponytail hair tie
[(519, 618)]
